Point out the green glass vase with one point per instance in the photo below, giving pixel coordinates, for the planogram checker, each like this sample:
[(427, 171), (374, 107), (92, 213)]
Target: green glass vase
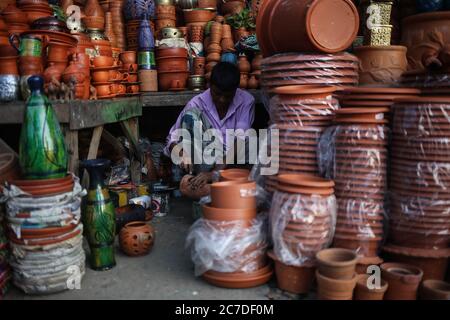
[(99, 217), (42, 150)]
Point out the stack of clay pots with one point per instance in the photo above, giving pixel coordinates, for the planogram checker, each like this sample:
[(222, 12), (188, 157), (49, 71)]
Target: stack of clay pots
[(107, 77), (244, 69), (15, 19), (35, 9), (165, 16), (253, 81), (131, 78), (173, 70), (403, 281), (354, 154), (419, 232), (45, 233), (336, 276), (236, 222), (118, 24), (302, 220), (213, 46), (368, 289), (301, 114), (340, 69)]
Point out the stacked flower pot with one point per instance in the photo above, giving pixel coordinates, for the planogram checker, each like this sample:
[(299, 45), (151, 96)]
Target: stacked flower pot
[(403, 280), (173, 69), (165, 16), (118, 24), (45, 233), (244, 69), (302, 221), (300, 114), (228, 245), (354, 154), (419, 231), (336, 276)]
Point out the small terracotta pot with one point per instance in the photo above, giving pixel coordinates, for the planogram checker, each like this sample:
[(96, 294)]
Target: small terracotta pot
[(130, 67), (58, 51), (136, 238), (172, 79), (100, 76), (242, 193), (213, 57), (129, 77), (104, 89), (128, 57), (333, 289), (115, 75), (103, 61), (227, 44), (435, 290), (403, 281), (365, 292), (337, 263), (133, 88)]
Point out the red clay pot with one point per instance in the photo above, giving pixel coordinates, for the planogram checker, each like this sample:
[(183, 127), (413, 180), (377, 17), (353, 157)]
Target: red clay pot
[(435, 290), (136, 238), (242, 193), (171, 52), (234, 175), (58, 51), (363, 292), (128, 57), (8, 65), (171, 64), (172, 80), (221, 214), (403, 281), (337, 263), (249, 280), (334, 289)]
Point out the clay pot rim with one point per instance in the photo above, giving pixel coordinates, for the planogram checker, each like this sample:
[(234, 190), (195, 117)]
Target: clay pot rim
[(339, 281), (327, 257), (382, 48), (212, 213), (437, 285), (51, 231), (304, 90), (417, 252), (305, 180), (423, 100), (263, 270), (227, 279), (426, 16), (357, 238), (391, 269)]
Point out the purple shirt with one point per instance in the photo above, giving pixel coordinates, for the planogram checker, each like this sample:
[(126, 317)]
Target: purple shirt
[(240, 114)]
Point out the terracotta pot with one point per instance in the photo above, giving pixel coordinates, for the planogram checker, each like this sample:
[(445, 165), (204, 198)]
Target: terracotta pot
[(313, 25), (293, 279), (364, 292), (221, 214), (12, 14), (403, 281), (249, 280), (132, 67), (198, 15), (435, 290), (93, 8), (382, 65), (337, 263), (171, 52), (30, 65), (253, 82), (214, 48), (243, 81), (136, 238), (165, 23), (256, 62), (424, 28), (104, 89), (129, 77), (367, 247), (53, 71), (8, 65), (227, 44), (199, 66), (234, 175), (133, 88), (297, 93), (171, 64), (305, 184), (242, 193), (213, 57), (115, 75), (243, 64), (128, 57), (239, 34), (58, 51), (232, 7), (333, 289), (35, 14), (207, 3), (103, 61), (100, 76), (172, 80)]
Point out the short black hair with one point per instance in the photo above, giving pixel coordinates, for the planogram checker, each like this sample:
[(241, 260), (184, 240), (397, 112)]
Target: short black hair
[(225, 76)]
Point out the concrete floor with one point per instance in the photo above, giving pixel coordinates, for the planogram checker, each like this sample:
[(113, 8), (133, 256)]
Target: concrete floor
[(166, 273)]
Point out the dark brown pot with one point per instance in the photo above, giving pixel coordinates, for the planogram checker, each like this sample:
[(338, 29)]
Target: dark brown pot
[(171, 52), (403, 281)]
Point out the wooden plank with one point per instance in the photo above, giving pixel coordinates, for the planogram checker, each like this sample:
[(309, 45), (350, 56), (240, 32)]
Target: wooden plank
[(129, 128), (12, 112), (71, 138), (96, 113), (95, 142)]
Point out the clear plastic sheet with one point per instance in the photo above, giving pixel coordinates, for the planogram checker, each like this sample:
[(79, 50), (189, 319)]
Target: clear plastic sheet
[(354, 156), (228, 246), (301, 225), (420, 174)]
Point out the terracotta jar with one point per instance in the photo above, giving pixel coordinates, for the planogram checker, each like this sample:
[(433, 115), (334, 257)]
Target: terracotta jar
[(307, 25), (93, 8), (171, 64), (214, 48), (242, 193), (334, 289), (364, 292), (337, 263), (8, 65), (256, 62), (52, 71), (136, 238), (243, 64), (435, 290), (293, 279), (381, 65), (172, 80), (403, 281), (243, 83)]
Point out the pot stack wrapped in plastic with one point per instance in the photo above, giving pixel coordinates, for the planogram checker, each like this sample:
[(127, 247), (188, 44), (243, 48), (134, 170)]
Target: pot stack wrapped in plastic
[(45, 234), (419, 230), (300, 114), (354, 154), (228, 245), (302, 222)]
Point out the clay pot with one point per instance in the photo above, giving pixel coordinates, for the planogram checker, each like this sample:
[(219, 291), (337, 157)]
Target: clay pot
[(104, 90), (337, 263), (133, 88), (30, 65), (313, 25), (199, 66), (297, 93), (214, 48), (305, 184), (172, 80), (242, 193), (136, 238), (256, 62), (243, 64), (103, 61), (129, 77), (435, 290), (100, 76), (197, 15), (12, 14), (128, 57), (232, 7), (171, 64), (58, 51), (382, 65), (53, 71), (210, 66), (363, 292), (243, 81), (227, 44), (253, 83), (92, 22), (207, 3), (333, 289), (234, 175), (8, 65), (221, 214), (403, 281), (93, 8), (293, 279), (243, 280), (171, 52), (240, 33)]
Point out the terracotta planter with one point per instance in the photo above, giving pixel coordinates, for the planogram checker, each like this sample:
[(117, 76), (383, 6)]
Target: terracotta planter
[(364, 292), (234, 175), (171, 64), (435, 290), (103, 61), (8, 65), (220, 214), (136, 238), (316, 25), (198, 15), (128, 57), (337, 263), (403, 281), (333, 289), (383, 65), (293, 279), (242, 193), (104, 89), (172, 80), (171, 52)]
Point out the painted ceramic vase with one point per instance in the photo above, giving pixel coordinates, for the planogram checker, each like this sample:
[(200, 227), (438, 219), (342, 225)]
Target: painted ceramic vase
[(146, 41), (99, 217), (43, 153), (138, 9)]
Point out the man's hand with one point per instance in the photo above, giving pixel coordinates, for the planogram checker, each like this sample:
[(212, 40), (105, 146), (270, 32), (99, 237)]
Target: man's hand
[(201, 179)]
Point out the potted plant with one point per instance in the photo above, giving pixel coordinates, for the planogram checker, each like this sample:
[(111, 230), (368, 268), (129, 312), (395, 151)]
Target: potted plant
[(241, 22)]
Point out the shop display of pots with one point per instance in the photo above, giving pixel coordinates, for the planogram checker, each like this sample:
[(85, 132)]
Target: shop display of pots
[(403, 281)]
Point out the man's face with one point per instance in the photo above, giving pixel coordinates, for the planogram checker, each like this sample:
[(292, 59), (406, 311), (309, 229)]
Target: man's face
[(222, 99)]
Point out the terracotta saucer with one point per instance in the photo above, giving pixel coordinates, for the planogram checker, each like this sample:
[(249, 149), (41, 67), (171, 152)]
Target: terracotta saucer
[(45, 242), (228, 282), (363, 103)]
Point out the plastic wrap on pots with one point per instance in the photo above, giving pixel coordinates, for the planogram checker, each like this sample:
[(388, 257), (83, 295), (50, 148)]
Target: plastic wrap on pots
[(355, 157), (228, 246), (301, 225), (419, 176)]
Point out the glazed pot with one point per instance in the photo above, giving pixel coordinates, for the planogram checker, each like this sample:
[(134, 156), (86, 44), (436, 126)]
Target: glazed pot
[(8, 65), (334, 289), (136, 238), (403, 281), (381, 65), (312, 23), (171, 64), (435, 290), (30, 65), (196, 82), (172, 80), (29, 45), (363, 291), (293, 279), (221, 214), (242, 193)]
